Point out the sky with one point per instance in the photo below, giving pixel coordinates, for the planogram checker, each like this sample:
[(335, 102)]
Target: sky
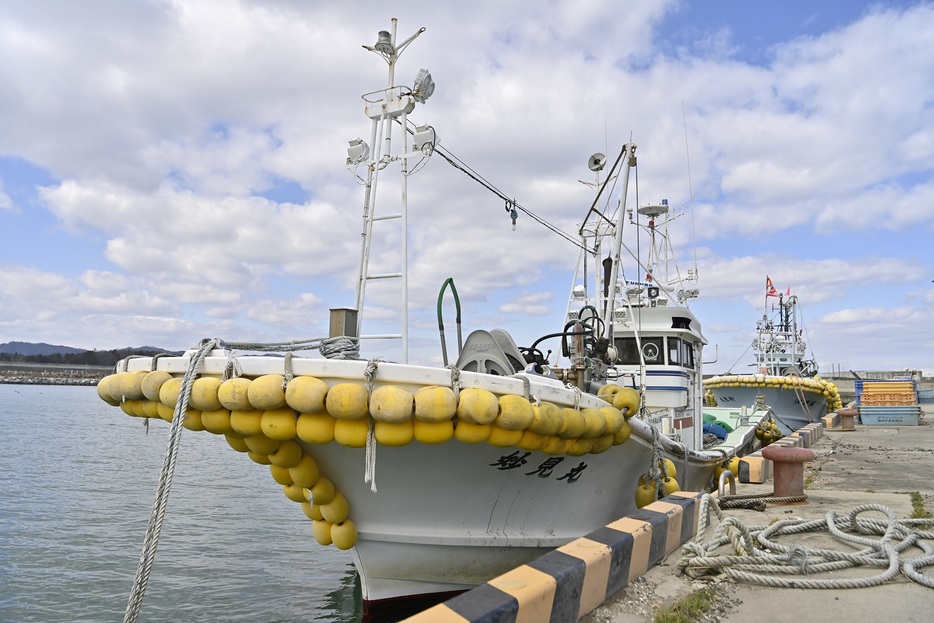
[(172, 170)]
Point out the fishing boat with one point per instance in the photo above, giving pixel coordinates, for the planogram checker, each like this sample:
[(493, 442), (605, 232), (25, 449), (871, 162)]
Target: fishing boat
[(439, 478), (786, 379)]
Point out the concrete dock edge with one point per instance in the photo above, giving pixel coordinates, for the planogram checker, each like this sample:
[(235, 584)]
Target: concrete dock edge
[(573, 580)]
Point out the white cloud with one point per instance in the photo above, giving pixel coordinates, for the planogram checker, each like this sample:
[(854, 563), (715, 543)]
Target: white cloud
[(162, 124)]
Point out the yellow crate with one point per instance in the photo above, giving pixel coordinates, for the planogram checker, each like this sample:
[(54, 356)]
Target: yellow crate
[(894, 387), (887, 399)]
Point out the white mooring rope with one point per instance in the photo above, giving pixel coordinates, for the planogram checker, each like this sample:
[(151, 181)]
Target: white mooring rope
[(760, 560), (165, 483)]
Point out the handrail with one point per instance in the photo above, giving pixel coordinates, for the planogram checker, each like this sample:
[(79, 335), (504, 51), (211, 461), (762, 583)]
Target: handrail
[(457, 304)]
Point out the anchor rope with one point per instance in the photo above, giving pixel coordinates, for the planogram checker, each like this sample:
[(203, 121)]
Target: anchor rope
[(758, 559), (157, 516)]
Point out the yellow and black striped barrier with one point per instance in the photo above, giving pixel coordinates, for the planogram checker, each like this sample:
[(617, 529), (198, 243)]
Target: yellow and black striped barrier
[(573, 580)]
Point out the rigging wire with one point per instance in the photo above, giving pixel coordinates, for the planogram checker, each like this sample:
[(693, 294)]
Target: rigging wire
[(687, 153), (511, 204)]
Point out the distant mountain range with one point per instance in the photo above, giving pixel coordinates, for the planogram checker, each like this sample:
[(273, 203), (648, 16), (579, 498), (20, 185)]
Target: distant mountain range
[(30, 348), (41, 348), (12, 352)]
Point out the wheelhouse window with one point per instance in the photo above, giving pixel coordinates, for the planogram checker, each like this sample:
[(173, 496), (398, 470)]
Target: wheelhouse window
[(675, 351), (687, 354), (679, 352), (652, 350)]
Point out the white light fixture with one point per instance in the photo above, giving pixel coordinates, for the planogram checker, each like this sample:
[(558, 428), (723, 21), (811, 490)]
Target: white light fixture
[(424, 86), (357, 152), (384, 43), (424, 139)]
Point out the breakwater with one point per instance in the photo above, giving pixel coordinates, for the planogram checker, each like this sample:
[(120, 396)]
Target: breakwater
[(51, 374)]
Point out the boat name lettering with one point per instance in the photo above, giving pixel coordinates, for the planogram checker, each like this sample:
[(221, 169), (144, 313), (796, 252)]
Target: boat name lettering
[(483, 347), (544, 470)]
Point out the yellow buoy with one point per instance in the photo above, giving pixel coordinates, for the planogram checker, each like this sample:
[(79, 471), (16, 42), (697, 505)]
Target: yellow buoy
[(281, 475), (466, 431), (594, 423), (104, 390), (287, 455), (602, 443), (204, 393), (152, 382), (671, 486), (347, 401), (322, 492), (392, 404), (312, 511), (306, 394), (131, 384), (267, 392), (477, 405), (321, 530), (237, 443), (262, 459), (646, 493), (667, 467), (393, 433), (351, 433), (149, 408), (622, 435), (546, 419), (344, 534), (732, 465), (503, 437), (530, 441), (614, 419), (306, 473), (627, 400), (607, 391), (278, 423), (234, 394), (435, 404), (193, 420), (294, 492), (573, 424), (216, 421), (555, 446), (166, 413), (168, 392), (315, 427), (580, 447), (336, 510), (246, 423), (131, 407), (433, 432), (515, 413), (261, 444)]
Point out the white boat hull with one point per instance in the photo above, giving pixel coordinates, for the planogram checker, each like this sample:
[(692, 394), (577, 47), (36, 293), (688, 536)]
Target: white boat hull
[(451, 516), (792, 409), (448, 516)]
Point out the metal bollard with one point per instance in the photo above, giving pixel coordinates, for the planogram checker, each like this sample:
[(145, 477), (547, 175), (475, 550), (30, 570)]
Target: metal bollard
[(788, 468)]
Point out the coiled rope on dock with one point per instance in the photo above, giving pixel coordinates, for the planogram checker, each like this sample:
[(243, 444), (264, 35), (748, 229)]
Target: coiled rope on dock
[(758, 559)]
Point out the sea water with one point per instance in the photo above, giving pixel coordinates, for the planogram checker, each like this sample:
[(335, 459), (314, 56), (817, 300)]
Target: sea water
[(77, 482)]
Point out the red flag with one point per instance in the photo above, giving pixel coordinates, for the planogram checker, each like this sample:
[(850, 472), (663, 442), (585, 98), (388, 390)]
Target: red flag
[(788, 291), (770, 287)]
